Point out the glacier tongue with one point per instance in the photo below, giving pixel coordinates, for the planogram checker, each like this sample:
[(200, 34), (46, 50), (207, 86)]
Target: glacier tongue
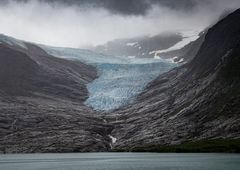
[(120, 79), (118, 84)]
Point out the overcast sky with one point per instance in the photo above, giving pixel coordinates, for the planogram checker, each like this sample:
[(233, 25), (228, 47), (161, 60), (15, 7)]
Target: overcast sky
[(77, 23)]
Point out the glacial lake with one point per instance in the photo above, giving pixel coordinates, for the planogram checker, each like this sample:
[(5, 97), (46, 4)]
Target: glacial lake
[(120, 161)]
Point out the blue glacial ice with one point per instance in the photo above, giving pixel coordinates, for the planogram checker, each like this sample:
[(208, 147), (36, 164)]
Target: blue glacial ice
[(86, 56), (120, 79), (118, 84)]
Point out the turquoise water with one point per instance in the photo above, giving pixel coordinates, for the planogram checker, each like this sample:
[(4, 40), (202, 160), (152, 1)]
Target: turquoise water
[(120, 161)]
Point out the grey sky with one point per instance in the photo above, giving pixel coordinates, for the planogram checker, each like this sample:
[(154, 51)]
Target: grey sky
[(129, 7), (77, 23), (124, 7)]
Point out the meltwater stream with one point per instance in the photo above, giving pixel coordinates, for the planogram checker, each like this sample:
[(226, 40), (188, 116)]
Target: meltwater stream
[(120, 79)]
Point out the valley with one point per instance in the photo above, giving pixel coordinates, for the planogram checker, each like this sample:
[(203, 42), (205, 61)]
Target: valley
[(56, 99)]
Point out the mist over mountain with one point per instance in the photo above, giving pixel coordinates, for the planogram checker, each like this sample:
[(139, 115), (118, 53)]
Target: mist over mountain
[(83, 23)]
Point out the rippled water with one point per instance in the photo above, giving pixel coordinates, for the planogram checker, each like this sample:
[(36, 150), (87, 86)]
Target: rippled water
[(117, 161)]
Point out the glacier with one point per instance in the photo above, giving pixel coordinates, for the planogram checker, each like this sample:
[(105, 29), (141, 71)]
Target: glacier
[(119, 84), (120, 79)]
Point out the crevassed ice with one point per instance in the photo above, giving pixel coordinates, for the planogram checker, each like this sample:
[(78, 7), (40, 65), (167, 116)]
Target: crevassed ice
[(120, 79), (118, 84)]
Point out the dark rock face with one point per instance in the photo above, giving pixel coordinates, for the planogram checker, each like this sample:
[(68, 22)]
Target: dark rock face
[(33, 71), (220, 41), (41, 104), (199, 100), (16, 70)]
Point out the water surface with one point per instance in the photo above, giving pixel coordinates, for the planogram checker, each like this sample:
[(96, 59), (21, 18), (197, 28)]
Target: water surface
[(119, 161)]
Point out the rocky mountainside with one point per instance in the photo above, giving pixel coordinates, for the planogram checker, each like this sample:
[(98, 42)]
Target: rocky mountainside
[(42, 99), (197, 101), (41, 103)]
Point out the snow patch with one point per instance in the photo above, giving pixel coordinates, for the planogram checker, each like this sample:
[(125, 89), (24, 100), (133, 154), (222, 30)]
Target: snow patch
[(131, 56), (132, 44), (181, 60), (188, 37)]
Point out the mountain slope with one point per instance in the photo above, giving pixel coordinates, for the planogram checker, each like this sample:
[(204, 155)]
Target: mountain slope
[(41, 103), (16, 70), (166, 45), (197, 101)]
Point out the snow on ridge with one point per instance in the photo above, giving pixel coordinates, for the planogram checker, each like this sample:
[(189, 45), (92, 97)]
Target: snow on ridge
[(188, 37)]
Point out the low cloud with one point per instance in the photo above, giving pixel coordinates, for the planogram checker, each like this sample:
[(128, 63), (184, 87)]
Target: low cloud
[(59, 24)]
